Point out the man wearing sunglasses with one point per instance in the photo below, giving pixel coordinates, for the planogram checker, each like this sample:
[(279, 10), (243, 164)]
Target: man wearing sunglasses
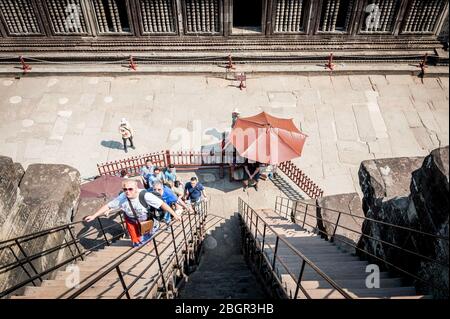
[(130, 195)]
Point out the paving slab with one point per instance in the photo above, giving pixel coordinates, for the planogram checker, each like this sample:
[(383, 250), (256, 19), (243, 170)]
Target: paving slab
[(348, 118)]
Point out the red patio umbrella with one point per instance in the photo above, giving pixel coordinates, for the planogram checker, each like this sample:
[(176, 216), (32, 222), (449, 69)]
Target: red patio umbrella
[(267, 139), (106, 186)]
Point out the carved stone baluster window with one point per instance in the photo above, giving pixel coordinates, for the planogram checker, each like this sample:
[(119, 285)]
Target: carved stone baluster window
[(202, 16), (112, 16), (66, 17), (153, 15), (380, 16), (145, 10), (158, 16), (19, 17), (198, 15), (423, 15), (336, 15), (289, 16), (212, 21)]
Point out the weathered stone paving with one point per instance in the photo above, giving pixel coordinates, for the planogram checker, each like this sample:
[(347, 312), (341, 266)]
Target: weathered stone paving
[(73, 120)]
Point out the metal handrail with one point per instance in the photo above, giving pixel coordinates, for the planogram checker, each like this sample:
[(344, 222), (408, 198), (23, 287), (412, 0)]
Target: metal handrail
[(33, 257), (333, 237), (47, 231), (336, 226), (243, 210), (363, 218), (346, 242), (131, 252), (50, 270), (27, 259)]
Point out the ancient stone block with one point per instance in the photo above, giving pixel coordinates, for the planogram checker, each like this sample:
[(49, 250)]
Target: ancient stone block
[(345, 211), (430, 200), (386, 179), (44, 197), (412, 193), (8, 188)]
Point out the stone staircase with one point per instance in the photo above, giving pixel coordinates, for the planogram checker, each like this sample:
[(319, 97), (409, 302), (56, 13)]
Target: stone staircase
[(140, 267), (222, 273), (347, 270)]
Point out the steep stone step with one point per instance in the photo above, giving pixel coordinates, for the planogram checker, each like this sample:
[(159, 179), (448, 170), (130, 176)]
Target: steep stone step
[(362, 293), (345, 269), (352, 283), (222, 272)]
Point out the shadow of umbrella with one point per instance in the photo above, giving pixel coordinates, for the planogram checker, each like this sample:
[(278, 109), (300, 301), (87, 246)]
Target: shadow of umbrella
[(103, 187), (106, 187)]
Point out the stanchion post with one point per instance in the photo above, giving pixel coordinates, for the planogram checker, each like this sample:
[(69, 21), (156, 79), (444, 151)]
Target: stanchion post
[(132, 65), (25, 67), (330, 64)]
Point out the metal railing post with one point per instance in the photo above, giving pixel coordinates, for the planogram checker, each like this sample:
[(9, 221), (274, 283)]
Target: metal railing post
[(190, 226), (184, 233), (275, 253), (251, 220), (122, 281), (299, 279), (304, 217), (21, 265), (27, 259), (262, 245), (67, 244), (175, 247), (256, 227), (335, 228), (103, 231), (76, 244), (264, 237), (159, 264), (195, 224), (294, 212)]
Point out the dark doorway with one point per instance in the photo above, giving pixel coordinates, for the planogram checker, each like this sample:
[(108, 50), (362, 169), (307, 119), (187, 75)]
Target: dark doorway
[(247, 13)]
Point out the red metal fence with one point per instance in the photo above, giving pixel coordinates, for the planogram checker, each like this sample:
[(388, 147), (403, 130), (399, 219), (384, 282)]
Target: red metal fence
[(132, 165), (187, 160), (301, 180), (197, 160)]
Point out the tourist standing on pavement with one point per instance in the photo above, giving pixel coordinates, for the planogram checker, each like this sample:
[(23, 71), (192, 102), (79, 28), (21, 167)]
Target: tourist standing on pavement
[(234, 117), (127, 134)]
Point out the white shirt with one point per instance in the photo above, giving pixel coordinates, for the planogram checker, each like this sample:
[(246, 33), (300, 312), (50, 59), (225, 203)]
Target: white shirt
[(121, 202)]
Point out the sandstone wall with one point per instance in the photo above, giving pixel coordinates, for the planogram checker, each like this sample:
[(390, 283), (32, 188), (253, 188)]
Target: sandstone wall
[(410, 192), (350, 221), (43, 197)]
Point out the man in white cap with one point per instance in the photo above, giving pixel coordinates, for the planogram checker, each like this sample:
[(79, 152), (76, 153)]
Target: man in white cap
[(127, 134), (234, 117)]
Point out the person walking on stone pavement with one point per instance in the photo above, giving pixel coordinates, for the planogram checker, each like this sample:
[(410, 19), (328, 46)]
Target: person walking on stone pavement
[(127, 134), (234, 117)]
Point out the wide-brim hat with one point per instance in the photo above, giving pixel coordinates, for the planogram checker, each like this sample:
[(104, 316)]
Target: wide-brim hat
[(236, 111)]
